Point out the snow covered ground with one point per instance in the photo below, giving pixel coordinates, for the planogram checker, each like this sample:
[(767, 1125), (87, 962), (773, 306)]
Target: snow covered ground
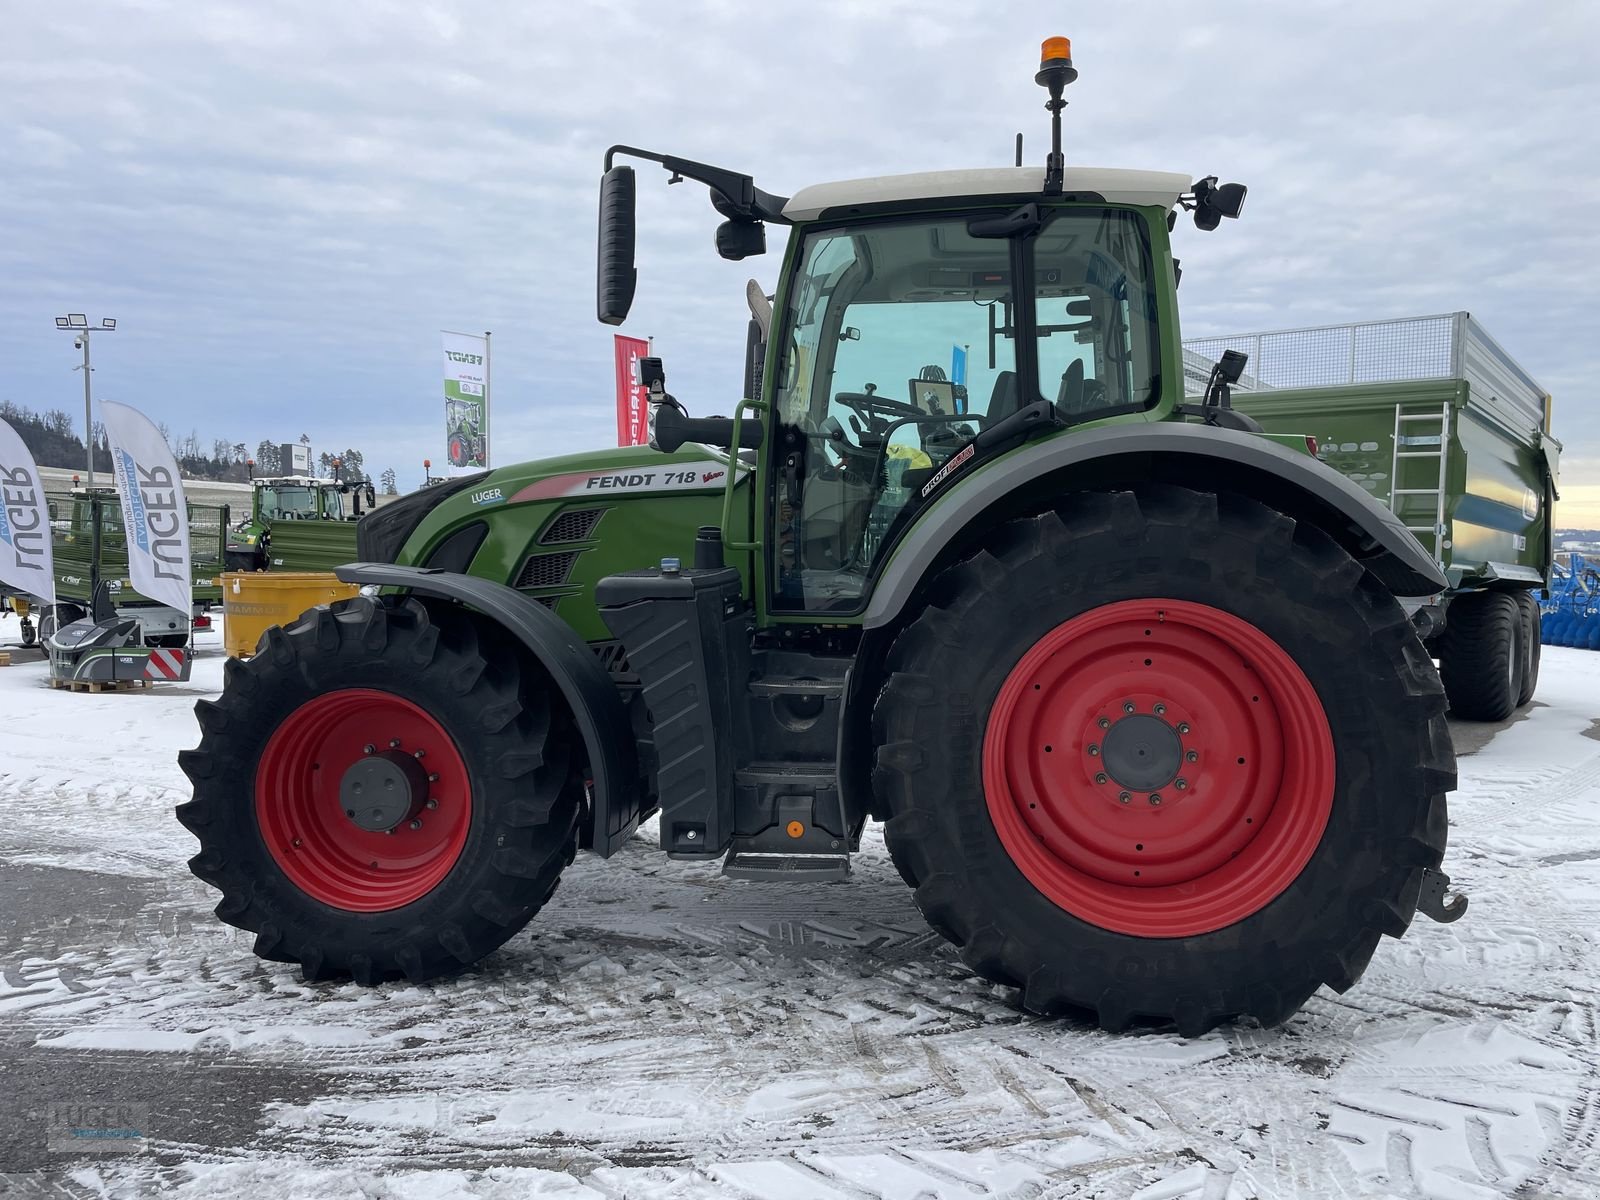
[(661, 1031)]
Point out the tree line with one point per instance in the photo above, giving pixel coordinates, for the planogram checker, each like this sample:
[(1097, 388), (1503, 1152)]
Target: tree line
[(52, 438)]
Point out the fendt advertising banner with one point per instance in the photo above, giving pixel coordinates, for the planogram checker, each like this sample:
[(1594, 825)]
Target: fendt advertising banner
[(466, 402), (155, 512), (633, 413), (25, 562)]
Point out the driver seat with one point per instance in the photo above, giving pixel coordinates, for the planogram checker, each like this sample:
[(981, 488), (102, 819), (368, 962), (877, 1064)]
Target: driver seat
[(1005, 399)]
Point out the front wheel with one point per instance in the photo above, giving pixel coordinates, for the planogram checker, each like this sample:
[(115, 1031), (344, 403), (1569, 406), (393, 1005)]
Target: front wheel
[(382, 791), (1163, 755)]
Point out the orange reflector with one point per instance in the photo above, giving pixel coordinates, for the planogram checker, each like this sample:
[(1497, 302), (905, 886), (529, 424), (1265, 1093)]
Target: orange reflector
[(1056, 47), (795, 829)]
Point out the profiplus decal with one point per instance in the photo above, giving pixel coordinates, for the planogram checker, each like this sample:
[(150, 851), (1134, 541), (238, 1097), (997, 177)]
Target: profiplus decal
[(944, 472)]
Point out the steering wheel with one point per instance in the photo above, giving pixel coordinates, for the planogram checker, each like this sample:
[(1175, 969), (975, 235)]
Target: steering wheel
[(867, 405)]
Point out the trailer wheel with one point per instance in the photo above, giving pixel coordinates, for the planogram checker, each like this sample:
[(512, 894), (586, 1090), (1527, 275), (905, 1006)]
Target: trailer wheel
[(1163, 755), (379, 792), (1481, 655), (1532, 641)]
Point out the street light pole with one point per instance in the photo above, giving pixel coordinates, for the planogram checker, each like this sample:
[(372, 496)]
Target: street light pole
[(88, 412), (78, 324)]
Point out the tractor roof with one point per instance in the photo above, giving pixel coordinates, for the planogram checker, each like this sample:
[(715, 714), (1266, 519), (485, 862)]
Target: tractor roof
[(1160, 188)]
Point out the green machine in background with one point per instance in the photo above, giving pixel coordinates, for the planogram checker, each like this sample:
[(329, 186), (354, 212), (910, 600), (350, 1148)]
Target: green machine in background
[(1440, 425)]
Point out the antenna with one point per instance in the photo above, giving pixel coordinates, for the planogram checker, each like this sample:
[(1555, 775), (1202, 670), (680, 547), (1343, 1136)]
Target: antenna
[(1019, 149), (1055, 72)]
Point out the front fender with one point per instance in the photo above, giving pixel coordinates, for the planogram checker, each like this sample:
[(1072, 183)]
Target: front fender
[(584, 684), (1198, 456)]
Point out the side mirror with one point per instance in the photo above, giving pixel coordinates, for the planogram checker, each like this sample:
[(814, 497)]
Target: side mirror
[(740, 239), (1213, 201), (616, 276)]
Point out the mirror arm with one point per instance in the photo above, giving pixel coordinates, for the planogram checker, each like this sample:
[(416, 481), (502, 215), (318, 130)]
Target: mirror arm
[(740, 191)]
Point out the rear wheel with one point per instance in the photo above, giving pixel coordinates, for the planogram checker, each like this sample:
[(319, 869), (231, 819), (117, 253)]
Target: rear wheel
[(380, 792), (1532, 640), (1163, 755), (1481, 655)]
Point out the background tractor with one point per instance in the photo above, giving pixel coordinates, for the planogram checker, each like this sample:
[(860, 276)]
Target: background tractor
[(1126, 680)]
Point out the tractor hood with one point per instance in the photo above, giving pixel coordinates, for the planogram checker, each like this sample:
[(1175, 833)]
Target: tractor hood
[(407, 529)]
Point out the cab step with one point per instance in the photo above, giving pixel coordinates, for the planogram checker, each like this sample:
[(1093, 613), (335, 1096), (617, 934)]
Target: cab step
[(785, 868)]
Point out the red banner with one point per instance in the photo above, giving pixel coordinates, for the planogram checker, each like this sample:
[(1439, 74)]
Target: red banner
[(633, 421)]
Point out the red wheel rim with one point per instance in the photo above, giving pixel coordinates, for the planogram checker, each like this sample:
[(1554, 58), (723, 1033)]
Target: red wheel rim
[(303, 820), (1111, 699)]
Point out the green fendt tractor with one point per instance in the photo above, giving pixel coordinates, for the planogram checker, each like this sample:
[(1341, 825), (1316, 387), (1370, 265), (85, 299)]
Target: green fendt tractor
[(1126, 680), (298, 522)]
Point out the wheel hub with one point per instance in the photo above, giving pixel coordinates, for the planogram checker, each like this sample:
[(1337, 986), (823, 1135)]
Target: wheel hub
[(383, 790), (1142, 752)]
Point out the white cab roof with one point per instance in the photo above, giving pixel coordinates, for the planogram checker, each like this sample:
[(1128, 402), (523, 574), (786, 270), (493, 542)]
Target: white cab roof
[(1160, 188)]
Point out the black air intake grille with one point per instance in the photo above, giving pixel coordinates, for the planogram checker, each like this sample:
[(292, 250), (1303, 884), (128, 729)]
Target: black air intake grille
[(574, 525), (546, 570)]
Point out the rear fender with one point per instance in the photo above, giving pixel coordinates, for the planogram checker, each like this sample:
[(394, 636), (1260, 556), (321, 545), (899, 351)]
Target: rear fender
[(1196, 456), (595, 703)]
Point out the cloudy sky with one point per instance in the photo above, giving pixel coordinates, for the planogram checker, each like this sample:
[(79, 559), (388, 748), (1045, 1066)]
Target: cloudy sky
[(282, 204)]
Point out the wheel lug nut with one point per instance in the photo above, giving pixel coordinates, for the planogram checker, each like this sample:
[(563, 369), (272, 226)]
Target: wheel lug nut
[(1192, 756), (1128, 706), (1161, 710), (1124, 797), (415, 823), (1183, 727), (1155, 798), (296, 843), (434, 778), (419, 754), (1100, 778), (1181, 784), (1093, 750), (369, 748), (433, 804), (394, 743), (1104, 722)]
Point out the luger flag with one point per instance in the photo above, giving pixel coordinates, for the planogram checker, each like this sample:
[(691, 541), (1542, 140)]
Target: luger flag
[(25, 560), (155, 512), (633, 415)]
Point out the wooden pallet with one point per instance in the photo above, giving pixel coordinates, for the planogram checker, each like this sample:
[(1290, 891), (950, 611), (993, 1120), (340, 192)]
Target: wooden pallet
[(96, 686), (5, 658)]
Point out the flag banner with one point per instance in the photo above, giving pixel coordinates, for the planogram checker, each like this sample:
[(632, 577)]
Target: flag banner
[(958, 364), (633, 412), (155, 512), (466, 402), (25, 563)]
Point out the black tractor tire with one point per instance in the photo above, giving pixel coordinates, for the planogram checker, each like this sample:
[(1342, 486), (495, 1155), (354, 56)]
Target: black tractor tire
[(499, 733), (55, 616), (1481, 655), (1532, 641), (1386, 761)]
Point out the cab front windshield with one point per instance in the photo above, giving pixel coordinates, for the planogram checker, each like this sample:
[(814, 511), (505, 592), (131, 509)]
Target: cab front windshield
[(903, 340), (289, 502)]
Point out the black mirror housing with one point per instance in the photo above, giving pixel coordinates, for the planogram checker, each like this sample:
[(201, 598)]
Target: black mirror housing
[(616, 276), (738, 239)]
